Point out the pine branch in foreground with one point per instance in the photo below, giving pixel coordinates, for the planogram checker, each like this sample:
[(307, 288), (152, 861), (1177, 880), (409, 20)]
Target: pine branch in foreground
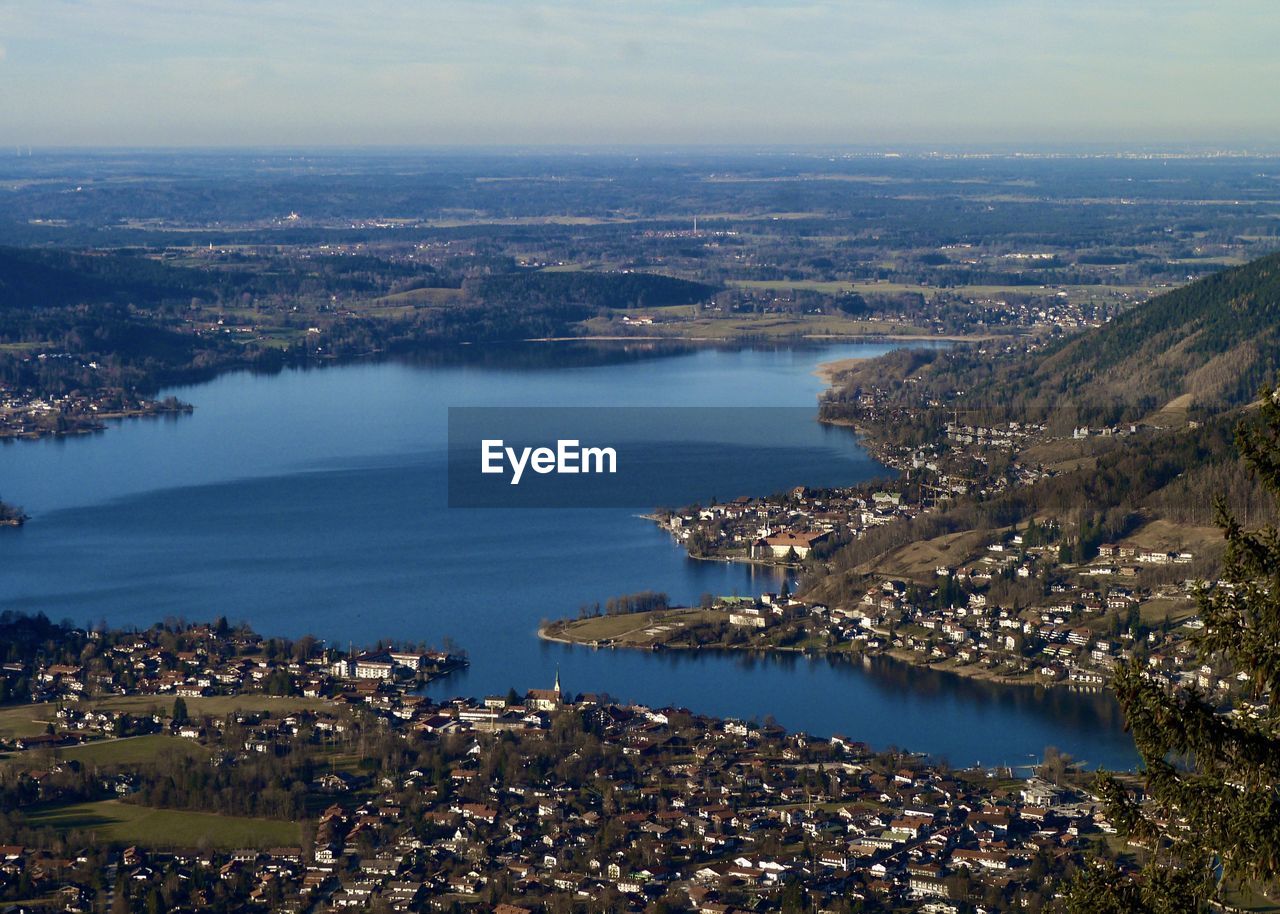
[(1211, 820)]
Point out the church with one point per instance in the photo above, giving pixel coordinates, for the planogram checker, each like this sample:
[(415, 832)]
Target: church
[(545, 699)]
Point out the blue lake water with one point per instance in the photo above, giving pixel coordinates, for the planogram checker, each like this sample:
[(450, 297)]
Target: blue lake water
[(315, 502)]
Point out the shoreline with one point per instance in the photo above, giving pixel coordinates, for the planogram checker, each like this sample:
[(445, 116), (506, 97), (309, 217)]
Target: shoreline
[(747, 339), (91, 424), (88, 424), (728, 559), (897, 656), (830, 371)]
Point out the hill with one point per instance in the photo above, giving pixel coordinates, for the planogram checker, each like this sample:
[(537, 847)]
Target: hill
[(31, 278), (1215, 341), (109, 324), (587, 290), (1197, 350), (1199, 353)]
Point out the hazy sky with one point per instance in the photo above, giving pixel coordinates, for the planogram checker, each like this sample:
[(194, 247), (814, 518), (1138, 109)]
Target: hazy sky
[(369, 72)]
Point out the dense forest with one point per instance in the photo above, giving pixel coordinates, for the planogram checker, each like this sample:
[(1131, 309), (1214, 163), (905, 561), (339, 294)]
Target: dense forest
[(36, 279), (1217, 339), (587, 290)]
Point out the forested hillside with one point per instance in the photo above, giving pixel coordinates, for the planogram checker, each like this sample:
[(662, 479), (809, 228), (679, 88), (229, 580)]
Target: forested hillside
[(128, 319), (1116, 487), (33, 279), (588, 290), (1217, 340), (1173, 376), (1204, 347)]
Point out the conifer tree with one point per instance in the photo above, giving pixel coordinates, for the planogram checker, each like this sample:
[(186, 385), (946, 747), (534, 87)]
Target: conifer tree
[(1212, 773)]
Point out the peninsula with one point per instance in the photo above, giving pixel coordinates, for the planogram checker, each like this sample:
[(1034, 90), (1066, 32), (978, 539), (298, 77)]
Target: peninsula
[(1013, 544)]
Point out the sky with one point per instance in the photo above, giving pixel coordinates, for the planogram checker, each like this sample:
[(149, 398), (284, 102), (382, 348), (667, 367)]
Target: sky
[(602, 72)]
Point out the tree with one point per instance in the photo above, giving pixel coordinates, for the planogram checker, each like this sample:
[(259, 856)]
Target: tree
[(179, 710), (959, 884), (793, 897), (1215, 772), (120, 900), (1055, 765)]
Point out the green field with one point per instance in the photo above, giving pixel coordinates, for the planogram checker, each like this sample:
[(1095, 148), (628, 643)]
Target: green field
[(676, 325), (114, 820), (835, 287), (130, 750), (635, 629), (133, 750), (25, 720), (410, 298), (214, 705)]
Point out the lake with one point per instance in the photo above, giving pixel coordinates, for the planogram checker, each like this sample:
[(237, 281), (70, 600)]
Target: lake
[(314, 501)]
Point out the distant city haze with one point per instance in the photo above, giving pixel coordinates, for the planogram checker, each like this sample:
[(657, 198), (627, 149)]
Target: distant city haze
[(866, 72)]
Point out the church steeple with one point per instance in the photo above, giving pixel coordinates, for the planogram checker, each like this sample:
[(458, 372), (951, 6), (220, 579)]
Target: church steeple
[(557, 685)]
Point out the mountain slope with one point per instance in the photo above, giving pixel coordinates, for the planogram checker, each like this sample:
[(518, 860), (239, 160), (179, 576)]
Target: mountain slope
[(1216, 341), (1204, 347)]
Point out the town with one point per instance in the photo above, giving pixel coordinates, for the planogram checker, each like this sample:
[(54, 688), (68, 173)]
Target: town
[(30, 414), (1078, 636), (905, 566), (103, 687), (286, 776)]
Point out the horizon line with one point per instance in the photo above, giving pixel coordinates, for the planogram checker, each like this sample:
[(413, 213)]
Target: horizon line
[(884, 150)]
